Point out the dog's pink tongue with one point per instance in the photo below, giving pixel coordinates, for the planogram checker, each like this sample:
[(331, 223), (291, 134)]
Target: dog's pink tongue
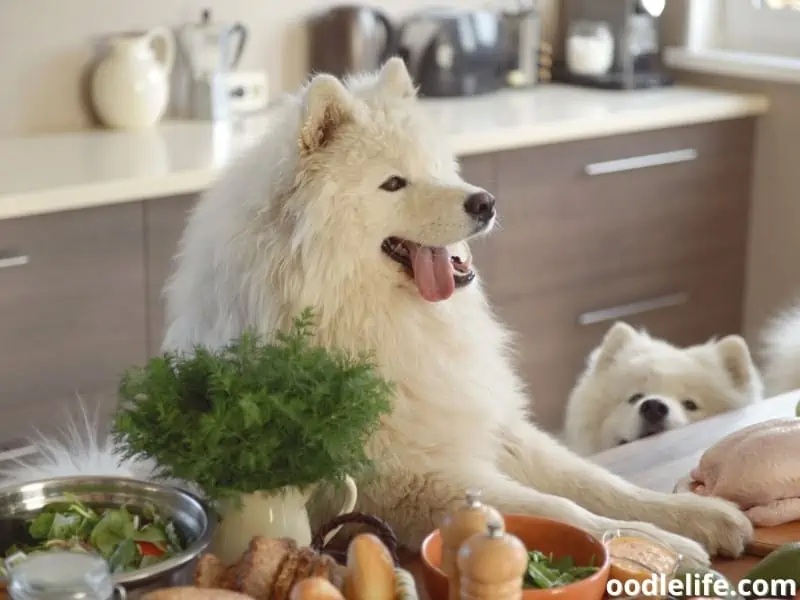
[(433, 273)]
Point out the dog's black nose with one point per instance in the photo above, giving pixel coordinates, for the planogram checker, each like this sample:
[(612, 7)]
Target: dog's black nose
[(653, 410), (480, 205)]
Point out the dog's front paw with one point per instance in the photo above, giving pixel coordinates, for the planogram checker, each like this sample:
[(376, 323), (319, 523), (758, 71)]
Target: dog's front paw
[(717, 524)]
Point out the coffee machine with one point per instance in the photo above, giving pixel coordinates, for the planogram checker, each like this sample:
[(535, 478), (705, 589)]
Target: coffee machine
[(612, 44)]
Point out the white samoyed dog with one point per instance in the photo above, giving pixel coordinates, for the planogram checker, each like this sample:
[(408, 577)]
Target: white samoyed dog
[(781, 352), (353, 205), (635, 386)]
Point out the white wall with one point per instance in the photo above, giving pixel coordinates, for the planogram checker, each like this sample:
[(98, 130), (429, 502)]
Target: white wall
[(46, 46)]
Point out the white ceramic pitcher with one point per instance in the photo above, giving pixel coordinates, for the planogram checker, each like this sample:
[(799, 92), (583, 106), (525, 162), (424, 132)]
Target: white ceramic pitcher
[(131, 86), (272, 515)]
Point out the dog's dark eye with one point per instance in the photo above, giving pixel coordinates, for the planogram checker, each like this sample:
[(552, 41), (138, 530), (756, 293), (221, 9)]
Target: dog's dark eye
[(394, 184), (690, 405), (635, 398)]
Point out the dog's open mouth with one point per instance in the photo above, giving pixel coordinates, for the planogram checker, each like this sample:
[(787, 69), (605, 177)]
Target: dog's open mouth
[(434, 270)]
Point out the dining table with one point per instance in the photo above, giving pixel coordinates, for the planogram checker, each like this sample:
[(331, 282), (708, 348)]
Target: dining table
[(658, 462)]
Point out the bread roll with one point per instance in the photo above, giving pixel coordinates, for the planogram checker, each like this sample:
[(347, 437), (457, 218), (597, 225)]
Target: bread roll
[(193, 593), (370, 570), (260, 565), (315, 588), (208, 572)]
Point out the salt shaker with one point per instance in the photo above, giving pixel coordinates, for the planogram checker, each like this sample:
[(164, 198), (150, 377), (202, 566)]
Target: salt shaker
[(61, 576), (456, 527), (492, 565)]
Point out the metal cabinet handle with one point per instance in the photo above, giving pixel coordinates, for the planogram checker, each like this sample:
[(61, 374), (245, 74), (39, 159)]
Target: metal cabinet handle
[(634, 308), (641, 162), (8, 260)]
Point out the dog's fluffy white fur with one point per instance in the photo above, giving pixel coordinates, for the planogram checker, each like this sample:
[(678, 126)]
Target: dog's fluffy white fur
[(635, 385), (299, 222), (781, 352)]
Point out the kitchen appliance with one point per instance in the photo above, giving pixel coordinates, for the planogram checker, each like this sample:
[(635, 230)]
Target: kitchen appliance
[(524, 39), (451, 52), (212, 51), (612, 44), (350, 39)]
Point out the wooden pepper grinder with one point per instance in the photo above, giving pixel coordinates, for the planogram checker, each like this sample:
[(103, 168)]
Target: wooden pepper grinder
[(492, 565), (458, 526)]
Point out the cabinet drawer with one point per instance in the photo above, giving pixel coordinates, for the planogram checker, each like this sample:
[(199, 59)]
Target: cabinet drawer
[(609, 157), (165, 219), (72, 312), (684, 304), (602, 208)]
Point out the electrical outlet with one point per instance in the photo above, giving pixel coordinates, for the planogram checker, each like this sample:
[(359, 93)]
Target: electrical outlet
[(248, 91)]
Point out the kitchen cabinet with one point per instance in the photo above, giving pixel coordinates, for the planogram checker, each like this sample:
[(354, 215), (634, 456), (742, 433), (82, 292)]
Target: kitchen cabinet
[(164, 220), (481, 170), (649, 227), (72, 314)]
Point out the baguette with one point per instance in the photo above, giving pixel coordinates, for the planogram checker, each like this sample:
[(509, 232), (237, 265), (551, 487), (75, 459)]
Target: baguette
[(370, 570), (315, 588)]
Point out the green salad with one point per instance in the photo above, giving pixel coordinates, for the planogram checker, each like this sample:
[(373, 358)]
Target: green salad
[(545, 572), (127, 540)]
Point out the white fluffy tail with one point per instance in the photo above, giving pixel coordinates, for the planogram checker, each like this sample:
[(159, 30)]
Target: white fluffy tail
[(81, 449), (781, 353)]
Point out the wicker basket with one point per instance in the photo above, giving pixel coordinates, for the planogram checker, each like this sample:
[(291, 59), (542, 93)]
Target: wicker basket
[(377, 526)]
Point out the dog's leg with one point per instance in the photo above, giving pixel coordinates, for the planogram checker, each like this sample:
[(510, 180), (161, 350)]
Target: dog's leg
[(414, 504), (534, 458)]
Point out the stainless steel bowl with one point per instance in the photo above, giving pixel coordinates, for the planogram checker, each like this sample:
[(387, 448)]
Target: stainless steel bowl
[(190, 514)]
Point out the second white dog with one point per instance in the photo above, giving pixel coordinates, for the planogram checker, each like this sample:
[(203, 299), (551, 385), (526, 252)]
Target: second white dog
[(635, 386)]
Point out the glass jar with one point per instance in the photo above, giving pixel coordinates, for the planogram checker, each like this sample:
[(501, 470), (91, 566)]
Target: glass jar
[(650, 575), (590, 48), (61, 576)]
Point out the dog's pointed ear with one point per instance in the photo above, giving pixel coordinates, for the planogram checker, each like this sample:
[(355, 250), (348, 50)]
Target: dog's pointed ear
[(614, 341), (395, 78), (737, 361), (328, 105)]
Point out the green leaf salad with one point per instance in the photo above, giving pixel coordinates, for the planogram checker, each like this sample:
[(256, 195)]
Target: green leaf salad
[(544, 572), (127, 540)]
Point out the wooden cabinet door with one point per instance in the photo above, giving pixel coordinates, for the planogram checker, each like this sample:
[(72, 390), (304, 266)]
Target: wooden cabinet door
[(481, 170), (165, 220), (72, 314), (650, 228)]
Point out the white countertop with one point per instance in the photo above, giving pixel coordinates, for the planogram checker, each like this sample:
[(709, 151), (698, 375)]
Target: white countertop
[(51, 173)]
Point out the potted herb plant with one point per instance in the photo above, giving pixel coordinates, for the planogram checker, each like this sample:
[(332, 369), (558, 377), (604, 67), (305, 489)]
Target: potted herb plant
[(256, 426)]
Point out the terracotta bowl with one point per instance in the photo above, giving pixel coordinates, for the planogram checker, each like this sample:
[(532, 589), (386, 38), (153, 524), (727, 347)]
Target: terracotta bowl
[(544, 535)]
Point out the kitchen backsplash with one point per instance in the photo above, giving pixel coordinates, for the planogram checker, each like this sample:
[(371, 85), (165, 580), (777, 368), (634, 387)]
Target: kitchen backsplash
[(48, 48)]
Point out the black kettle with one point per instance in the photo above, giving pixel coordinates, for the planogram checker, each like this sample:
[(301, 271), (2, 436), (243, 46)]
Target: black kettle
[(349, 40)]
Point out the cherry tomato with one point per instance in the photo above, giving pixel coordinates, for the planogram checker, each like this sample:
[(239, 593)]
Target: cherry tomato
[(149, 549)]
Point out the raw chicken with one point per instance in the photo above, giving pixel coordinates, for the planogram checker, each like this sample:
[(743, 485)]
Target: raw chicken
[(758, 468)]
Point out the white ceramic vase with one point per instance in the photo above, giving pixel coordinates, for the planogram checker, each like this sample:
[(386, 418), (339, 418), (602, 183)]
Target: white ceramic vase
[(130, 87), (272, 515)]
